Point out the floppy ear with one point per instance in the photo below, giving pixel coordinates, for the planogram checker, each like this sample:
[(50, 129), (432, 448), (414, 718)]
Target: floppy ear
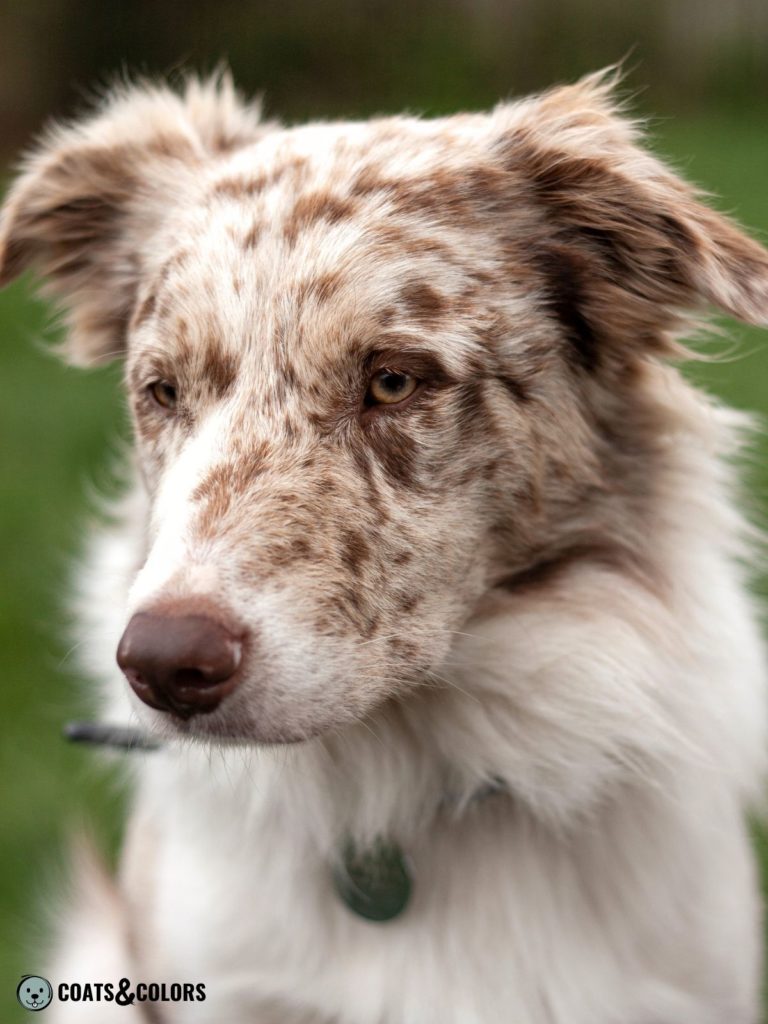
[(90, 197), (627, 246)]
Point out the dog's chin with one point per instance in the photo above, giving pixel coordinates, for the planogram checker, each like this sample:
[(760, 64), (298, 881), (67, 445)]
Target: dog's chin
[(220, 728)]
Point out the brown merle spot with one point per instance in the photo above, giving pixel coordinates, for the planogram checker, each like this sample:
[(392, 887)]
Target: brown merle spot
[(351, 598), (390, 236), (223, 484), (355, 549), (219, 367), (370, 627), (328, 485), (395, 451), (314, 207), (369, 181), (403, 647), (407, 602), (423, 303), (517, 387), (471, 406), (491, 469), (421, 246), (320, 288), (301, 547), (455, 196), (252, 236), (240, 186)]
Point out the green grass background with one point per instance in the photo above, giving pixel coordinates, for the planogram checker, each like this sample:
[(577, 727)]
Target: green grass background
[(57, 428)]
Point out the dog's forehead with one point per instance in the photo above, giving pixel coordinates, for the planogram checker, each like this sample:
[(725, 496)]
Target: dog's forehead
[(324, 238), (343, 153)]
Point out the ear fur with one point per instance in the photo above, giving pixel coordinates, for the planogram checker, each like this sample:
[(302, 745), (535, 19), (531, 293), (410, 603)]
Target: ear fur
[(92, 193), (628, 246)]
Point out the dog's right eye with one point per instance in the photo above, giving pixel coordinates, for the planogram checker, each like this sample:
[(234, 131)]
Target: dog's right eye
[(163, 393)]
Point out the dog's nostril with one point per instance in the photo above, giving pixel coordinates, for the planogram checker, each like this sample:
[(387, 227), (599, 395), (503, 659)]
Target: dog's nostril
[(193, 677), (181, 663)]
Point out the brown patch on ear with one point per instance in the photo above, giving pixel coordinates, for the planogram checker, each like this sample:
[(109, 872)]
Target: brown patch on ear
[(563, 271), (625, 256), (66, 217), (626, 246), (93, 194)]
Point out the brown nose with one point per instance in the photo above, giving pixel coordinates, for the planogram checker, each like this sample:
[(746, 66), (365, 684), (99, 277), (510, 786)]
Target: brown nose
[(180, 663)]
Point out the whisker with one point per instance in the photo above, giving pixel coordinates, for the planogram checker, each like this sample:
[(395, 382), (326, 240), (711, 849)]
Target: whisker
[(373, 733), (68, 654), (455, 686)]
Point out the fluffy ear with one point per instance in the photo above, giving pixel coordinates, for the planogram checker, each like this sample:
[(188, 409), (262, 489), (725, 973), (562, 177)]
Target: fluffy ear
[(91, 195), (626, 244)]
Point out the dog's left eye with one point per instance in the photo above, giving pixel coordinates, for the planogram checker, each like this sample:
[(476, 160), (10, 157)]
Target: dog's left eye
[(163, 393), (390, 387)]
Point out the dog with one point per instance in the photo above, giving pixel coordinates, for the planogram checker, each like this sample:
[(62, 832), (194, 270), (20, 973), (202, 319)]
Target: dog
[(432, 584)]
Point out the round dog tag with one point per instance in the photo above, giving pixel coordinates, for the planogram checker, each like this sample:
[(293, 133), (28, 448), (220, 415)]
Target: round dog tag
[(374, 883)]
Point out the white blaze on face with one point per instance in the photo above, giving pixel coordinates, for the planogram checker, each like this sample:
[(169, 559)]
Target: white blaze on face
[(175, 559)]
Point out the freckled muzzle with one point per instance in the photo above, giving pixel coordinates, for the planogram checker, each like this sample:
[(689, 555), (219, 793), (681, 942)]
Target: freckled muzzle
[(185, 664)]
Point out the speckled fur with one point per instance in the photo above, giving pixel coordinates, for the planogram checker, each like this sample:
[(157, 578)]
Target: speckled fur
[(531, 571)]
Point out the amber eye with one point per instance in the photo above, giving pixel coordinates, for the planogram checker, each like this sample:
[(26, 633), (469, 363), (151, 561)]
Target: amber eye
[(389, 387), (164, 393)]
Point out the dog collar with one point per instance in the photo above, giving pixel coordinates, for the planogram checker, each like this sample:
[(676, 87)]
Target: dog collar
[(374, 882)]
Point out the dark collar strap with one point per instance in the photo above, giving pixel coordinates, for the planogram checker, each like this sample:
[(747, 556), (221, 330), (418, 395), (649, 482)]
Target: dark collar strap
[(100, 734)]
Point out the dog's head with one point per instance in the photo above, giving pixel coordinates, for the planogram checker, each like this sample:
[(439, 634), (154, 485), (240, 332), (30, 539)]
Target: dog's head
[(376, 370)]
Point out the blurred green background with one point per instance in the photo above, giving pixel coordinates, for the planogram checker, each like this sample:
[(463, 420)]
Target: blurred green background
[(699, 67)]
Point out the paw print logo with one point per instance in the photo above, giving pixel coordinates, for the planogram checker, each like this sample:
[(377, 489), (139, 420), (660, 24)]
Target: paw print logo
[(33, 992)]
